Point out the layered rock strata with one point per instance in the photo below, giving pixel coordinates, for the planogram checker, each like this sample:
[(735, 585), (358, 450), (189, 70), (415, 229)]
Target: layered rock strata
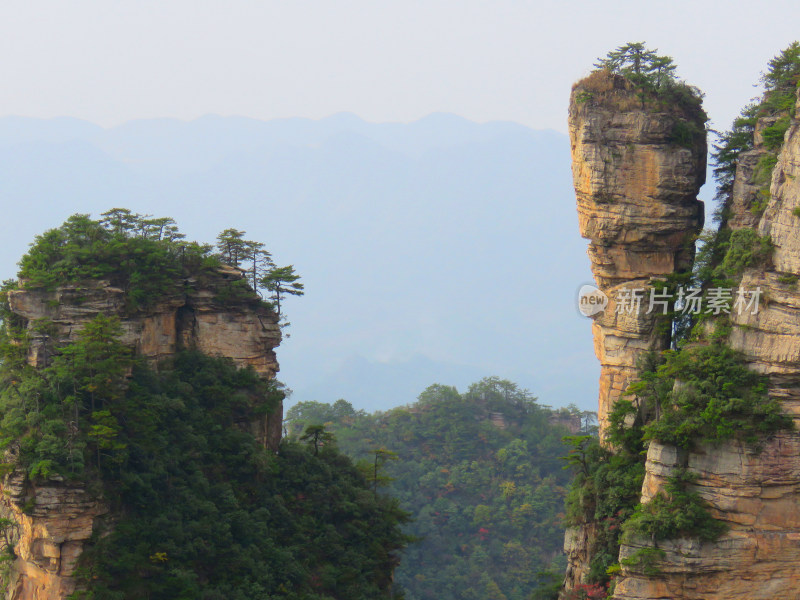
[(748, 187), (54, 520), (52, 523), (756, 493), (636, 188)]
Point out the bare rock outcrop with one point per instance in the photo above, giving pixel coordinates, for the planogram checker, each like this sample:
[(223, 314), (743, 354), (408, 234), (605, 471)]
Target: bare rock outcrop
[(756, 495), (748, 192), (52, 523), (637, 167), (190, 317), (636, 187)]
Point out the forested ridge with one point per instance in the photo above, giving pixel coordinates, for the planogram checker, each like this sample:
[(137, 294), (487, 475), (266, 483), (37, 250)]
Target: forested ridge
[(198, 508), (480, 474)]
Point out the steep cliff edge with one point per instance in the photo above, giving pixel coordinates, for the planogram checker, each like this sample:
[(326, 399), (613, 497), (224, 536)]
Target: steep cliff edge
[(52, 518), (754, 491), (717, 516), (638, 164), (190, 316), (636, 180)]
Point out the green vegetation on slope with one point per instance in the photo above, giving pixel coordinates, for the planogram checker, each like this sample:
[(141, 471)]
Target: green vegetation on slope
[(480, 474), (702, 394), (780, 82), (199, 509), (209, 514), (706, 394)]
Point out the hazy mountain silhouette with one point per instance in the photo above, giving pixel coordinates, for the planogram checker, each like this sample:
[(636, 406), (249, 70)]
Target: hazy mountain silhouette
[(440, 250)]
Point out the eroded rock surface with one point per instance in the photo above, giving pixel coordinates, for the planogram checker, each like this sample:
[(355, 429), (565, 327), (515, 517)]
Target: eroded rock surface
[(757, 494), (191, 317), (636, 182), (636, 188), (53, 521)]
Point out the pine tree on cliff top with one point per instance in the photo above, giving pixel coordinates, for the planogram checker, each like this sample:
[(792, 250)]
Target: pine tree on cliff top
[(639, 64)]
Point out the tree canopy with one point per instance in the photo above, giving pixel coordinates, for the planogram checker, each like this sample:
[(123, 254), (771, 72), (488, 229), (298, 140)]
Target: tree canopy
[(149, 258), (480, 475), (640, 64)]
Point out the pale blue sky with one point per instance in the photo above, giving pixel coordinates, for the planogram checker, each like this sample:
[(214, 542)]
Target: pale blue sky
[(109, 61)]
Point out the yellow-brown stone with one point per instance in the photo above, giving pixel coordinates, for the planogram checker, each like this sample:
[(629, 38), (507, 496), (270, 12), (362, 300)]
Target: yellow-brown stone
[(756, 493), (636, 192)]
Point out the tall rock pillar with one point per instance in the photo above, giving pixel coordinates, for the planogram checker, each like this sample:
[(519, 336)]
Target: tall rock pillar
[(637, 165)]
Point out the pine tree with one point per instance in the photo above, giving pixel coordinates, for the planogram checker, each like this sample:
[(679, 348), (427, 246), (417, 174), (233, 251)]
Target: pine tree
[(783, 71), (639, 64), (232, 246), (317, 436), (281, 281), (120, 220), (259, 262)]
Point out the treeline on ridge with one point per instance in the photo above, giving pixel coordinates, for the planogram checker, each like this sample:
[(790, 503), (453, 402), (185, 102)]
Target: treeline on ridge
[(479, 472)]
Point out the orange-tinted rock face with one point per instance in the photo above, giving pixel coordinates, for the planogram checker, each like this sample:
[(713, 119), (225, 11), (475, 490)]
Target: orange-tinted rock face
[(242, 330), (54, 520), (637, 204)]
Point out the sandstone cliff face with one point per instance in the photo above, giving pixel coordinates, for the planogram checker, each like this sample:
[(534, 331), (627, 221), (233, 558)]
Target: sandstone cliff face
[(54, 520), (747, 190), (637, 204), (756, 494), (190, 317), (636, 189)]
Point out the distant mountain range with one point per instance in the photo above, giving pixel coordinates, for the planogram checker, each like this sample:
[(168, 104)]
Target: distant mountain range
[(436, 251)]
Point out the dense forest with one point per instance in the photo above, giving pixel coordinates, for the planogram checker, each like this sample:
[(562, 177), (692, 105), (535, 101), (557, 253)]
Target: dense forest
[(479, 472), (199, 508)]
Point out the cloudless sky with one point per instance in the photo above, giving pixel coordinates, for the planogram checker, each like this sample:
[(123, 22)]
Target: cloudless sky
[(109, 61)]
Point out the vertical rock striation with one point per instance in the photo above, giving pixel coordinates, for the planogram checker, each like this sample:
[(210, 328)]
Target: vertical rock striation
[(636, 188), (756, 493), (55, 519), (637, 166)]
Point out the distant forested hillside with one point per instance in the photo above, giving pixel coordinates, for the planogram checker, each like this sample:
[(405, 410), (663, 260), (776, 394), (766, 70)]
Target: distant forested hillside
[(479, 472)]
